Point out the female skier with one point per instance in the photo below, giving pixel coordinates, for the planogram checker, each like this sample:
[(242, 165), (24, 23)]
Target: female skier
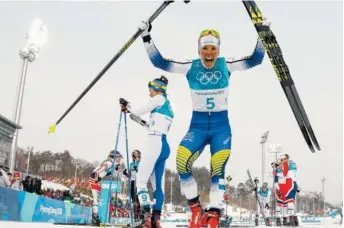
[(157, 152), (208, 78)]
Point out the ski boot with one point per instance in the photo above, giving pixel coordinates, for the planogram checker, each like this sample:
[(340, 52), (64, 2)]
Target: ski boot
[(291, 220), (145, 220), (268, 221), (285, 221), (278, 222), (213, 220), (156, 219), (95, 220), (196, 214), (256, 220), (296, 220)]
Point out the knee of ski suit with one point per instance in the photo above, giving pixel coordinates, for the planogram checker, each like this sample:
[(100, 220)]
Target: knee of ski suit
[(291, 194)]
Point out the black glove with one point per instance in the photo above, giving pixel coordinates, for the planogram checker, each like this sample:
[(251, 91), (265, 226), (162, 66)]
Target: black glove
[(146, 27), (123, 102), (298, 190), (267, 206), (116, 167), (255, 189), (125, 173)]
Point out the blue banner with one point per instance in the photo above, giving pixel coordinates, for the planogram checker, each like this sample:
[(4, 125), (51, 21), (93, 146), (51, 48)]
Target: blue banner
[(9, 205), (104, 202), (28, 207)]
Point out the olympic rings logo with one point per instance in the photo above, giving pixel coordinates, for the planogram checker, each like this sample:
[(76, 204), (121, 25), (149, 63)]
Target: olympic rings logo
[(209, 77)]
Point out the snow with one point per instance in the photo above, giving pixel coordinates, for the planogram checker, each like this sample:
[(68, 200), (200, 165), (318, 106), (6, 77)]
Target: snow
[(165, 225)]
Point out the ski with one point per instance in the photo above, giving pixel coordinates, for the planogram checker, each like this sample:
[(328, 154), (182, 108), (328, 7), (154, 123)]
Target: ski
[(283, 74), (256, 194)]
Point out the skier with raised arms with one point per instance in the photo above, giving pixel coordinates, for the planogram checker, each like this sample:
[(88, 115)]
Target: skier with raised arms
[(208, 79)]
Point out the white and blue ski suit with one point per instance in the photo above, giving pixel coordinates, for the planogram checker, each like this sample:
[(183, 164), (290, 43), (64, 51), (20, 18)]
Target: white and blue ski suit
[(210, 123), (152, 163)]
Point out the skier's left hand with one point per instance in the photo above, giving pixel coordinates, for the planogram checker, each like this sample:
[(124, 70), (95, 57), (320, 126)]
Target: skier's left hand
[(267, 206), (266, 22)]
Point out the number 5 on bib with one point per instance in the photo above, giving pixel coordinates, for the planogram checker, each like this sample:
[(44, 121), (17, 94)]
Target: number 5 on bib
[(210, 103)]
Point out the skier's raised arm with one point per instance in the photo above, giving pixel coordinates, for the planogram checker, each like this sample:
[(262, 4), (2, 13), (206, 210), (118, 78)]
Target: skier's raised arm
[(250, 61), (169, 65), (247, 62)]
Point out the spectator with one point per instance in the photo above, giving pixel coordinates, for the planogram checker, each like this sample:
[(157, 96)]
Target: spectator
[(10, 177), (67, 196), (16, 184), (37, 187), (26, 183), (4, 180)]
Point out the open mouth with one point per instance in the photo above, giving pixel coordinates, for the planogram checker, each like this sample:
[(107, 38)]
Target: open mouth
[(210, 60)]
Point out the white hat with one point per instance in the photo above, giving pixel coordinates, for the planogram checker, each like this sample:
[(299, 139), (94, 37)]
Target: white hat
[(208, 40)]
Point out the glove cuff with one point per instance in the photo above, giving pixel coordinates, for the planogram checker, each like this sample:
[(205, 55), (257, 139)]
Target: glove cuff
[(147, 38)]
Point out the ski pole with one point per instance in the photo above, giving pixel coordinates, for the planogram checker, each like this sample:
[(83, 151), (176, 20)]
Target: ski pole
[(52, 128), (129, 176), (113, 166)]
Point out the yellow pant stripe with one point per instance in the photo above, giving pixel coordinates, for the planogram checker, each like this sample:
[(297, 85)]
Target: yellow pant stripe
[(185, 159), (218, 160)]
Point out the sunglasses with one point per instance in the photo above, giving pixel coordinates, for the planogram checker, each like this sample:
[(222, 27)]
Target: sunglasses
[(211, 32)]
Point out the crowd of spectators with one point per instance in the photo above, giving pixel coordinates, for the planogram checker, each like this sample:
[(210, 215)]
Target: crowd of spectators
[(34, 185)]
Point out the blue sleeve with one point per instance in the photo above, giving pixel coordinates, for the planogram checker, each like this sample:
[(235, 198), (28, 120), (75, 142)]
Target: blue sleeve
[(165, 64), (247, 62)]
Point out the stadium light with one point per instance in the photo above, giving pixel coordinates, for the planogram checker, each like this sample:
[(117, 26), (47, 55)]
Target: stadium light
[(36, 37)]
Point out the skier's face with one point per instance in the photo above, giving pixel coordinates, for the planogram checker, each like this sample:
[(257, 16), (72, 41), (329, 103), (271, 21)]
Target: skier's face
[(208, 55), (283, 160), (152, 92)]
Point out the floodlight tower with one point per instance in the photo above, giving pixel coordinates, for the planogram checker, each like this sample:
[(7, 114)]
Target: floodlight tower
[(36, 37)]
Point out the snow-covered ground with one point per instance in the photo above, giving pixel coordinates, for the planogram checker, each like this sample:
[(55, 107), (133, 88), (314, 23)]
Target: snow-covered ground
[(165, 225)]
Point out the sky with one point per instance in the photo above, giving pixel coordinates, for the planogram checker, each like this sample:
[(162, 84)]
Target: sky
[(84, 36)]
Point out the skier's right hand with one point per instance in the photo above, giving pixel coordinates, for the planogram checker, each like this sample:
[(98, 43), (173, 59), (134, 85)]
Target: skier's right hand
[(146, 27), (123, 103)]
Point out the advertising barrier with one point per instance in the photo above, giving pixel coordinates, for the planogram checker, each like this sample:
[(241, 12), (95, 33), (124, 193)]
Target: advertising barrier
[(104, 202), (29, 207)]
